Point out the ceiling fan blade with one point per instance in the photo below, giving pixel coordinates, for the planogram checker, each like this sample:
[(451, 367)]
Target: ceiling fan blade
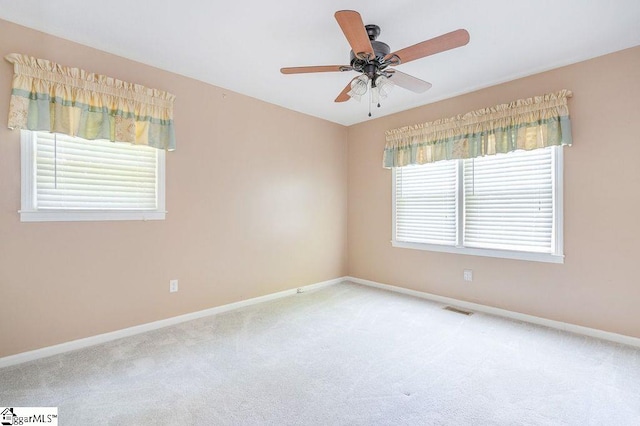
[(408, 82), (435, 45), (343, 97), (322, 68), (351, 24)]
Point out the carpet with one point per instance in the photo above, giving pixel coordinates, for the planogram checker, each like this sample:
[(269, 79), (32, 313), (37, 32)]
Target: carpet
[(341, 355)]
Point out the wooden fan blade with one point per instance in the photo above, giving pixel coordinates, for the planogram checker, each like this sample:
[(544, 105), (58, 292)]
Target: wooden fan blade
[(438, 44), (351, 24), (322, 68), (408, 82), (343, 97)]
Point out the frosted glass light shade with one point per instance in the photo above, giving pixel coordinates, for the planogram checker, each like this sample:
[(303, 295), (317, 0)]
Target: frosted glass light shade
[(360, 85), (384, 86)]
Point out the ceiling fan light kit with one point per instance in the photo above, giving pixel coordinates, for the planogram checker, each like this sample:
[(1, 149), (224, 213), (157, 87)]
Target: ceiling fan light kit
[(372, 58), (359, 87)]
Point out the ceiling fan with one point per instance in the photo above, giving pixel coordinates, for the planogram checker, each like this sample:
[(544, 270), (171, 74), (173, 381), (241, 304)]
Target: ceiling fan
[(372, 58)]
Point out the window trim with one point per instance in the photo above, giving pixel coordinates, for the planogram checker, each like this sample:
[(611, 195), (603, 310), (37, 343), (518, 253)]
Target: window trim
[(28, 213), (557, 232)]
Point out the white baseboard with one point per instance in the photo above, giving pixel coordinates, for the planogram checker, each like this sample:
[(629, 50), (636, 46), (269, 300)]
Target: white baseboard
[(130, 331), (578, 329)]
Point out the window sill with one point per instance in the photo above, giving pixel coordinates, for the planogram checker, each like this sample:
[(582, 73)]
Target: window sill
[(89, 215), (504, 254)]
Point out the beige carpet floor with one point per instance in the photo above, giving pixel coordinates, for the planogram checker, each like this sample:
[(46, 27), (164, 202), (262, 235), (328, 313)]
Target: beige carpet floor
[(343, 355)]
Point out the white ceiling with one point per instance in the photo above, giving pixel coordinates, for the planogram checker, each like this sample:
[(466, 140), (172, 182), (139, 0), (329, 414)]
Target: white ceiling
[(241, 45)]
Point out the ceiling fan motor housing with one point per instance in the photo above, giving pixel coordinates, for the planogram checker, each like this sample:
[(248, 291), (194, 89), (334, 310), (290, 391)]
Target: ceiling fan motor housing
[(379, 48), (370, 66)]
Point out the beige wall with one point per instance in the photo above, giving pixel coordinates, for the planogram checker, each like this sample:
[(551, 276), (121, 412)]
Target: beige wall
[(257, 203), (598, 285), (256, 196)]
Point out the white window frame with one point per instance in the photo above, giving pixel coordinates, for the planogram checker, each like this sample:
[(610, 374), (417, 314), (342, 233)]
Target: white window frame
[(558, 253), (29, 213)]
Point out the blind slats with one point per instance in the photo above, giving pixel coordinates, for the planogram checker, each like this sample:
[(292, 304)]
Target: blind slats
[(72, 173), (508, 202), (426, 203)]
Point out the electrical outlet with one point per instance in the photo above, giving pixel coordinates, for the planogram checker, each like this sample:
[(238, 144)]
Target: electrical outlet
[(173, 286), (468, 275)]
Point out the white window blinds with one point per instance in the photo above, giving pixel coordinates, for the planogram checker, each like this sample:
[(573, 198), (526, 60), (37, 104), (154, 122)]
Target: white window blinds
[(72, 173), (425, 203), (504, 205), (508, 201)]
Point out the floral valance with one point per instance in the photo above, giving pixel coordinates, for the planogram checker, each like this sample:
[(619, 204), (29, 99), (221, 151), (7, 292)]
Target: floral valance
[(524, 124), (52, 97)]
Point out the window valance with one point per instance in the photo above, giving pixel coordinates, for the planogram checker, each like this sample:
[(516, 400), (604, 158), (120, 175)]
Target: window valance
[(525, 124), (55, 98)]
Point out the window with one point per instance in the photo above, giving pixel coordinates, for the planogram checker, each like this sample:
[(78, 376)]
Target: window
[(67, 178), (504, 205)]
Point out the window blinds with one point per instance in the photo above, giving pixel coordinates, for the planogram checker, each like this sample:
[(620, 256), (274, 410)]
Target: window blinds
[(508, 201), (426, 203), (73, 173)]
